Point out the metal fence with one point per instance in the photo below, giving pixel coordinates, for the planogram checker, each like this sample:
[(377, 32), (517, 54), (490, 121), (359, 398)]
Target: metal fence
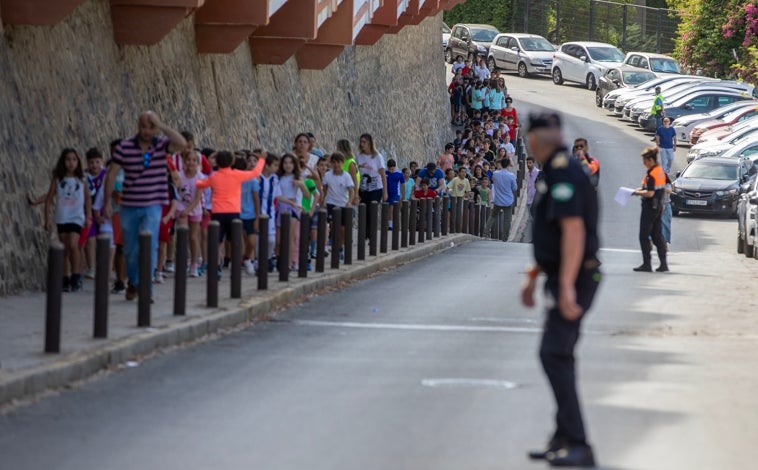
[(629, 26)]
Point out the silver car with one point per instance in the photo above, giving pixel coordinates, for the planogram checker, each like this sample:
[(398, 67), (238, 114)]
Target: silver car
[(523, 53), (584, 62)]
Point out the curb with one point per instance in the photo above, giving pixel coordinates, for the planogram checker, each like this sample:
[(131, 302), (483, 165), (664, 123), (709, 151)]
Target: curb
[(84, 364)]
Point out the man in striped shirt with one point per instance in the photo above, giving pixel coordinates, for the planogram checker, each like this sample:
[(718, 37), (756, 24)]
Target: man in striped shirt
[(145, 189)]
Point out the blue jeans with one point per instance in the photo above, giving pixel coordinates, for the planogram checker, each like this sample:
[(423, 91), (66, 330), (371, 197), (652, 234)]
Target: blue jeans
[(667, 159), (133, 220), (666, 222)]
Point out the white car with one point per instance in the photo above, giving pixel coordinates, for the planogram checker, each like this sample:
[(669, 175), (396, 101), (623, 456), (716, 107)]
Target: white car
[(747, 229), (685, 124), (742, 139), (584, 62), (523, 53), (649, 90), (445, 35)]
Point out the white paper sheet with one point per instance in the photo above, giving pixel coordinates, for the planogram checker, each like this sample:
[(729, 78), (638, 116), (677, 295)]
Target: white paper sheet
[(623, 195)]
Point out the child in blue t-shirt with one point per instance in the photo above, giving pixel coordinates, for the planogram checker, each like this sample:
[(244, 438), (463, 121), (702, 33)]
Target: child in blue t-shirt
[(395, 186)]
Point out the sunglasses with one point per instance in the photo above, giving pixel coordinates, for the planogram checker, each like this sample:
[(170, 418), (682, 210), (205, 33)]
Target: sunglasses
[(146, 159), (578, 147)]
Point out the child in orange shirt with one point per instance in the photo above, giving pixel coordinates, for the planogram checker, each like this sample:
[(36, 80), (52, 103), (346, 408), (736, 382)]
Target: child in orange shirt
[(226, 196)]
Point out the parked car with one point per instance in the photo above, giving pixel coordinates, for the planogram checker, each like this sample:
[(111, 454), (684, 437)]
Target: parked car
[(584, 62), (657, 63), (725, 133), (742, 137), (685, 124), (697, 102), (648, 91), (523, 53), (445, 35), (469, 40), (620, 77), (730, 119), (711, 185), (747, 226)]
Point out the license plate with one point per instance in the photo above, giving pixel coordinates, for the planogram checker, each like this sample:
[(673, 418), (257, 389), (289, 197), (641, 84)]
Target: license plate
[(695, 202)]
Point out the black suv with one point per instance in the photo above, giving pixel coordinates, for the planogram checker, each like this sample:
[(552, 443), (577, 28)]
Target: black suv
[(712, 185), (470, 40)]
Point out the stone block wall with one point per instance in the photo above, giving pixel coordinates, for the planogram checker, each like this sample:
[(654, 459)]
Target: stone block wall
[(70, 85)]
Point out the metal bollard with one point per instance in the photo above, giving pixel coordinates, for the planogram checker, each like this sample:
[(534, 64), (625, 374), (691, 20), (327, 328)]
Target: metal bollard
[(445, 215), (263, 249), (303, 257), (476, 222), (457, 201), (412, 222), (211, 275), (437, 216), (404, 209), (472, 218), (102, 272), (421, 232), (321, 241), (464, 216), (482, 220), (384, 228), (486, 217), (284, 247), (396, 226), (145, 278), (373, 214), (336, 236), (347, 216), (361, 231), (496, 227), (429, 218), (180, 277), (235, 276), (55, 260)]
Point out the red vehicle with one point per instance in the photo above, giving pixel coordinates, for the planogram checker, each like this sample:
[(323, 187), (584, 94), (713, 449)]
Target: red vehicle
[(730, 119)]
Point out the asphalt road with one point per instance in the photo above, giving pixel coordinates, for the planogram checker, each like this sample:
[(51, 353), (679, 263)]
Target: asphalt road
[(434, 366)]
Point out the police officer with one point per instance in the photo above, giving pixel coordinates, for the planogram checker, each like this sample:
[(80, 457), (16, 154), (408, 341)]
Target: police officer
[(651, 192), (565, 248)]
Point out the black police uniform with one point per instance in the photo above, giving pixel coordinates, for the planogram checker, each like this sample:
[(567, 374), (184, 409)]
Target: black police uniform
[(650, 218), (566, 191)]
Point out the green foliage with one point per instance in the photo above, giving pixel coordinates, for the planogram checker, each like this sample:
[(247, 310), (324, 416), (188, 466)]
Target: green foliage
[(494, 12)]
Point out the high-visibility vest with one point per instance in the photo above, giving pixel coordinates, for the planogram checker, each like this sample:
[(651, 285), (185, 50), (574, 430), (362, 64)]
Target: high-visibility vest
[(657, 104)]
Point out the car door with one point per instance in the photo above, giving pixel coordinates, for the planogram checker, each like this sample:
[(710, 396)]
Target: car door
[(499, 50), (455, 42), (577, 64), (569, 61), (512, 56)]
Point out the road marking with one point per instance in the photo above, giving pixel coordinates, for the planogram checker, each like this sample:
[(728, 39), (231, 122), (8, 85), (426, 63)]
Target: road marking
[(419, 327), (469, 383)]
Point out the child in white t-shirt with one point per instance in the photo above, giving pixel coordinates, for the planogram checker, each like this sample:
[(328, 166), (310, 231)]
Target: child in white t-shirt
[(339, 190)]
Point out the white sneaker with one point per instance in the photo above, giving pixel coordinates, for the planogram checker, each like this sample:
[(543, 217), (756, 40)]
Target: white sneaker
[(193, 271), (158, 278), (89, 274), (169, 268), (249, 267)]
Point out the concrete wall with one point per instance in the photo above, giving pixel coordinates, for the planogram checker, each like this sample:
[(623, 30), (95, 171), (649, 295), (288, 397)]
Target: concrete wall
[(71, 85)]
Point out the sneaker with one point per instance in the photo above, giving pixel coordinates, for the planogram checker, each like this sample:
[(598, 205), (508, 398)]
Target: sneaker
[(89, 273), (76, 283), (118, 287), (227, 261), (202, 269), (66, 284), (169, 268), (308, 267), (158, 277), (219, 273), (131, 292), (249, 266), (193, 271), (272, 264), (643, 268)]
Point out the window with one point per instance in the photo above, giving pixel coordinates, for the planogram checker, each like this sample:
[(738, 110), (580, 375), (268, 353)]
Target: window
[(503, 41), (512, 42), (634, 61), (722, 100)]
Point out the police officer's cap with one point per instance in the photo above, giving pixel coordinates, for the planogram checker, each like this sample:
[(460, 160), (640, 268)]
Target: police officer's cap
[(544, 121)]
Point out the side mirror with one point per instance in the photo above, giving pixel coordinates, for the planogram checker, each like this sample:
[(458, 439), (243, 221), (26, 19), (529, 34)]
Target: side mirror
[(515, 49), (616, 82), (678, 174), (584, 58)]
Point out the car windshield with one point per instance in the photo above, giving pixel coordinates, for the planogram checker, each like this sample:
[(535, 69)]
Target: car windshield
[(536, 44), (635, 78), (483, 35), (606, 54), (445, 28), (711, 171), (664, 66)]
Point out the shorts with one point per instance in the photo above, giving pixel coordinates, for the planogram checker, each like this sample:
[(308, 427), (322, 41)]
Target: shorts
[(206, 219), (314, 220), (164, 231), (393, 199), (197, 218), (69, 228), (118, 236), (247, 226), (329, 210), (286, 208), (225, 224)]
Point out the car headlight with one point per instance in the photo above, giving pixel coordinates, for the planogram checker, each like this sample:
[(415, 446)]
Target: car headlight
[(536, 63), (728, 191), (481, 48), (675, 189)]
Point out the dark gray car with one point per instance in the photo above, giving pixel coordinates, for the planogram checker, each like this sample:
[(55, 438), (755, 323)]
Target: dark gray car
[(469, 40)]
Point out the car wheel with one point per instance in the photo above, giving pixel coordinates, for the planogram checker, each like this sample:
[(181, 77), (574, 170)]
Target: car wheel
[(740, 245), (491, 64), (598, 99), (591, 82), (557, 76), (522, 72), (449, 56)]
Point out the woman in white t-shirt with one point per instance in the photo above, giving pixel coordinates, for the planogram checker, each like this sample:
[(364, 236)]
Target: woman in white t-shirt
[(373, 186)]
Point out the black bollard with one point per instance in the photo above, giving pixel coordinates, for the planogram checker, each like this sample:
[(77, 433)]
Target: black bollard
[(476, 223), (303, 257), (396, 226), (445, 215), (484, 225), (456, 225), (211, 275), (496, 228), (336, 236), (404, 210), (235, 276), (180, 277), (373, 216), (263, 249), (472, 218), (145, 278), (429, 218), (464, 216), (437, 216), (321, 241), (347, 216), (361, 231), (421, 232), (55, 260), (284, 247), (384, 228), (412, 217), (102, 272)]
